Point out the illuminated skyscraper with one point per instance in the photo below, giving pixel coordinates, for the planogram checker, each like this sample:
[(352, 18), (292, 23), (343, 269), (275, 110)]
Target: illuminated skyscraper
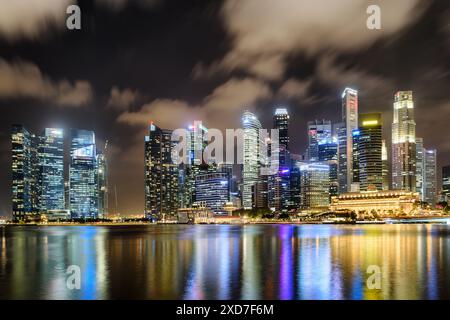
[(404, 143), (419, 167), (161, 175), (345, 131), (369, 151), (83, 192), (251, 156), (328, 153), (281, 122), (430, 176), (446, 183), (197, 165), (314, 185), (385, 162), (214, 190), (24, 173), (319, 131), (51, 170), (102, 181)]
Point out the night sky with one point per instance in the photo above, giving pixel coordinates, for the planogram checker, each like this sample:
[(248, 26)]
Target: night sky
[(173, 62)]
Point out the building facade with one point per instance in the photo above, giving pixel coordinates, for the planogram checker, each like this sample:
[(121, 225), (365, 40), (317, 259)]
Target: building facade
[(251, 157), (281, 122), (404, 143), (430, 191), (213, 189), (419, 167), (83, 181), (385, 162), (314, 185), (24, 173), (382, 203), (345, 138), (446, 183), (369, 151), (161, 175), (319, 131)]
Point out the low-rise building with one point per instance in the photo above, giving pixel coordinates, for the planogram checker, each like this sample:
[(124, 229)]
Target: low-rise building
[(382, 203)]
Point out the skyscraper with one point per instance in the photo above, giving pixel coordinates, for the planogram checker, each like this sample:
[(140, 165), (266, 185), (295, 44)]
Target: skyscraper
[(430, 176), (446, 183), (214, 190), (24, 174), (404, 143), (419, 167), (314, 185), (251, 157), (385, 162), (281, 122), (161, 175), (83, 192), (369, 151), (319, 131), (102, 181), (51, 170), (345, 138), (328, 153), (197, 165)]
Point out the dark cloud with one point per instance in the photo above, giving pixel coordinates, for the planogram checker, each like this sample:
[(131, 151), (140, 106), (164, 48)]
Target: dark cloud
[(22, 79)]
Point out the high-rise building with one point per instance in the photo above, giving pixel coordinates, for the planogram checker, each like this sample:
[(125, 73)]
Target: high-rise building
[(51, 170), (404, 143), (318, 132), (314, 185), (354, 187), (161, 175), (83, 175), (214, 190), (281, 122), (328, 153), (38, 172), (102, 180), (197, 165), (251, 157), (345, 138), (369, 152), (385, 163), (24, 174), (446, 183), (259, 193), (419, 167), (430, 176)]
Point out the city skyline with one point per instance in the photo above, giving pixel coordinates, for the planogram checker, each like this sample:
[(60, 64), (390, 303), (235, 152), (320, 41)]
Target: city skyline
[(119, 96)]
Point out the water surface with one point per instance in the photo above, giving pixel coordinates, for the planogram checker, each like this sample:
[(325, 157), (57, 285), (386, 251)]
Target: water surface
[(226, 262)]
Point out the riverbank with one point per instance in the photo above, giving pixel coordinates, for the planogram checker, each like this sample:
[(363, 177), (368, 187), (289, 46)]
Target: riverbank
[(396, 220)]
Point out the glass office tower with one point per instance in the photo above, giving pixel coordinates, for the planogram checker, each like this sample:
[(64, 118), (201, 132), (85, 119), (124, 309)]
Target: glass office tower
[(318, 132), (446, 183), (430, 176), (369, 152), (345, 137), (251, 157), (281, 122), (214, 190), (51, 170), (24, 173), (83, 175)]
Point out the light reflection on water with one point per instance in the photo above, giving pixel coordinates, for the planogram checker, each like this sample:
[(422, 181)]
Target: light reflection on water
[(226, 262)]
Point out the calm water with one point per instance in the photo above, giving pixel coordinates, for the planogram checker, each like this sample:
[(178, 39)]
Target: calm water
[(226, 262)]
